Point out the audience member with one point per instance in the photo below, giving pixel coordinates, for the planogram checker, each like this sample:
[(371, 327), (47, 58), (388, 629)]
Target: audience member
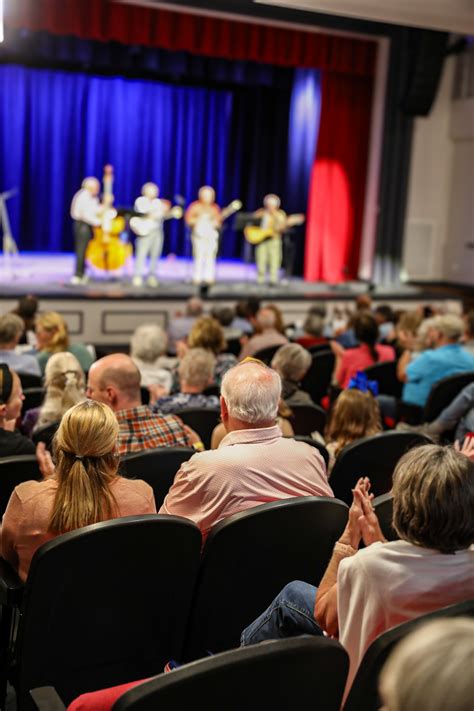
[(282, 421), (12, 442), (254, 464), (115, 381), (11, 330), (245, 314), (26, 309), (181, 325), (366, 592), (207, 333), (432, 668), (196, 373), (386, 322), (367, 353), (279, 320), (148, 352), (469, 332), (225, 315), (65, 386), (447, 357), (267, 334), (313, 329), (458, 416), (82, 488), (52, 337), (355, 415), (292, 362), (406, 331)]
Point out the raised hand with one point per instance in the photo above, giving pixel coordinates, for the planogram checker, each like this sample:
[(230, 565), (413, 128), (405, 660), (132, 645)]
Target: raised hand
[(467, 447), (44, 460), (368, 521)]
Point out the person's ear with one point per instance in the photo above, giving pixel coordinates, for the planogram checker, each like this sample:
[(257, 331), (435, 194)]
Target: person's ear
[(3, 410), (224, 410), (111, 395)]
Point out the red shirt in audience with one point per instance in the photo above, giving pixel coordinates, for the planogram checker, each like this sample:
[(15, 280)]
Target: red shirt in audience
[(359, 358)]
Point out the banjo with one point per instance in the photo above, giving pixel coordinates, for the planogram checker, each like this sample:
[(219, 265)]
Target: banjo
[(142, 226)]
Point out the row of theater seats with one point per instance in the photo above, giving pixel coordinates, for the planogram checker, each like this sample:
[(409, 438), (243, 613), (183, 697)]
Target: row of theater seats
[(113, 602), (375, 457)]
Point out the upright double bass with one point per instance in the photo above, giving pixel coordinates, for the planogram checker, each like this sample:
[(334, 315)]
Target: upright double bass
[(106, 250)]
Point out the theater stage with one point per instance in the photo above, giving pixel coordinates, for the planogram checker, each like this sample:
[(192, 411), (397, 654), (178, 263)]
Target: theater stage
[(107, 310)]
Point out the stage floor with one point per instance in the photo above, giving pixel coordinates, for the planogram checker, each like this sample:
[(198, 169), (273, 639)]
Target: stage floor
[(48, 275)]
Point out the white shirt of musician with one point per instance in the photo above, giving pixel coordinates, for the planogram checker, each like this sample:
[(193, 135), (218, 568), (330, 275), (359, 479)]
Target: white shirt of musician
[(153, 209), (85, 208)]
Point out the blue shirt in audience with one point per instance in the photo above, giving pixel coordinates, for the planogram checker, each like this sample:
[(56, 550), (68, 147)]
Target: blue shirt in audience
[(432, 366), (20, 362)]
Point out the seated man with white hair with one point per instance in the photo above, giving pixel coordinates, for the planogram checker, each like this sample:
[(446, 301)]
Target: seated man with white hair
[(267, 335), (253, 464), (196, 373)]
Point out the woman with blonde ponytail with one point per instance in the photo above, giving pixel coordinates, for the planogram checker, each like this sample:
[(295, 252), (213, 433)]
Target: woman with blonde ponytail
[(65, 386), (83, 487)]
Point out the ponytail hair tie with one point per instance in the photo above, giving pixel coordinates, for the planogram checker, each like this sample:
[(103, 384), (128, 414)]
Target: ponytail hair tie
[(79, 457)]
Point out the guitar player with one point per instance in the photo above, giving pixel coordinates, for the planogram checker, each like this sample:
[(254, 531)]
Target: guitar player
[(155, 210), (268, 254)]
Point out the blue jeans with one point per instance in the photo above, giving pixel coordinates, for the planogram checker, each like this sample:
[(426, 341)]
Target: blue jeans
[(291, 614)]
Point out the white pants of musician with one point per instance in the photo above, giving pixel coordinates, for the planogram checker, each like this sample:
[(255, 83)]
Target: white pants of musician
[(151, 245), (204, 256)]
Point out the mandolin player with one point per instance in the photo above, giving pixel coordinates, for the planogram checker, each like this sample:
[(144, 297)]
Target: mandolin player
[(86, 211)]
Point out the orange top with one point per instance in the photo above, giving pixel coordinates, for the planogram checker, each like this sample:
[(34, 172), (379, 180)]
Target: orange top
[(26, 519)]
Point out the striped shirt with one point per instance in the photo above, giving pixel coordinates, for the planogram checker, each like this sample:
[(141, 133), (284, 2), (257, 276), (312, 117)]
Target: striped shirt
[(141, 429)]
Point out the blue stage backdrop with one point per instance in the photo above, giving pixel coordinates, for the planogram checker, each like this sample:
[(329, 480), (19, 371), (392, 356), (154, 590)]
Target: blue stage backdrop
[(56, 127)]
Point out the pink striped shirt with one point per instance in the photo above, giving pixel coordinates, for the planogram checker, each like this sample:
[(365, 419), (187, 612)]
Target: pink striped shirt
[(249, 468)]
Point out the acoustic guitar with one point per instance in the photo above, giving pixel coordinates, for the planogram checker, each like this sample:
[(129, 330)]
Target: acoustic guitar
[(142, 226), (256, 235)]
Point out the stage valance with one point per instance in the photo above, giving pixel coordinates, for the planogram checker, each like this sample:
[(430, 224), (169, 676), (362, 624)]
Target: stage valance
[(203, 35)]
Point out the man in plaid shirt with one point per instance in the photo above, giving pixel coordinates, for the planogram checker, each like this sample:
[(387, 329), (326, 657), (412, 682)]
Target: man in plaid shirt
[(115, 380)]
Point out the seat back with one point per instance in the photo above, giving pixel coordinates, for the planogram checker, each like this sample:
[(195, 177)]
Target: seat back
[(33, 398), (318, 378), (144, 395), (250, 557), (320, 348), (14, 471), (383, 506), (157, 467), (317, 445), (385, 374), (266, 354), (443, 393), (28, 380), (306, 419), (201, 421), (303, 672), (375, 457), (233, 346), (106, 604), (363, 695), (45, 434)]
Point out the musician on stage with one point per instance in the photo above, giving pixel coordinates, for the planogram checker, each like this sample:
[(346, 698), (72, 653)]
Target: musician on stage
[(86, 211), (204, 218), (268, 254), (155, 210)]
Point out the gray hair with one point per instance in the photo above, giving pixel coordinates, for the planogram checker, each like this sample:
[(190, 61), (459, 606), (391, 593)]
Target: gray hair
[(194, 306), (266, 318), (252, 392), (197, 368), (429, 669), (292, 362), (451, 326), (314, 324), (11, 327), (148, 342)]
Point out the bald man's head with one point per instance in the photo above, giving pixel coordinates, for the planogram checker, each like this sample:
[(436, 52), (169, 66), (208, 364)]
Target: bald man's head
[(115, 380)]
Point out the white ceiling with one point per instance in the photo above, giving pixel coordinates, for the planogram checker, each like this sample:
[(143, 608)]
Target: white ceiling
[(448, 15)]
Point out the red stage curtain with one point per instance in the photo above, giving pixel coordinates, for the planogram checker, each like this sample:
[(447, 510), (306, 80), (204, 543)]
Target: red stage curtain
[(337, 187), (198, 34)]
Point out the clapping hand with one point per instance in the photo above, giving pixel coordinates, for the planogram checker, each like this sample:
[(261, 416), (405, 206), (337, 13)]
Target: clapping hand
[(352, 533), (45, 462), (467, 447), (368, 522)]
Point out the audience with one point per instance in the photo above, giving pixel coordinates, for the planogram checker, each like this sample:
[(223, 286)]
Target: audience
[(11, 331), (115, 381), (469, 332), (365, 592), (245, 313), (292, 362), (432, 668), (254, 464), (385, 318), (82, 488), (458, 416), (196, 373), (26, 309), (355, 414), (181, 325), (279, 320), (367, 353), (313, 331), (52, 337), (267, 334), (207, 333), (446, 357), (225, 315), (65, 386), (12, 442), (148, 351)]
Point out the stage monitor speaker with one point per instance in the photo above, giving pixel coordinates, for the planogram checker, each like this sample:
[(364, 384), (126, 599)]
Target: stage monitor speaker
[(426, 66)]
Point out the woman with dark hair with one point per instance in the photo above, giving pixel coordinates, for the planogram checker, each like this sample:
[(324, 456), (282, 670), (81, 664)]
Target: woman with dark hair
[(367, 353)]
